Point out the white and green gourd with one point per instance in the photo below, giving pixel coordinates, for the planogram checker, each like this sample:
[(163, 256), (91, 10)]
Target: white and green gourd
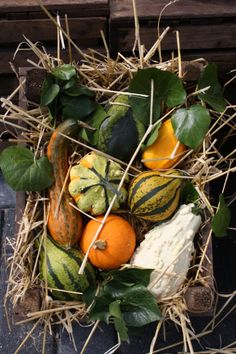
[(167, 249)]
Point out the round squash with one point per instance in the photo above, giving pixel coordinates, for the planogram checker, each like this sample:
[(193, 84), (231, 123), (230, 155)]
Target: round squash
[(115, 244), (155, 197), (64, 224), (166, 149), (94, 182)]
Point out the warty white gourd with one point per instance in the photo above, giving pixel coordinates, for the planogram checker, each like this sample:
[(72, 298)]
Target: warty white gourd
[(167, 249)]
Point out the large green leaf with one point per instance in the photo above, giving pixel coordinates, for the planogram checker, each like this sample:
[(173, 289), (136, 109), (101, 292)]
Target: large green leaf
[(78, 108), (221, 219), (64, 72), (214, 95), (49, 90), (190, 125), (131, 276), (168, 89), (139, 307), (24, 173)]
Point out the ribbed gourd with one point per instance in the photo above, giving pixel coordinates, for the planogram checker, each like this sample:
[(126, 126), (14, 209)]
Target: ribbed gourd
[(154, 196), (64, 221), (94, 182), (59, 268)]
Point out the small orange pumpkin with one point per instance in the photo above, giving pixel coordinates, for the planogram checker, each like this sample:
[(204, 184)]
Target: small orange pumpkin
[(166, 149), (115, 243)]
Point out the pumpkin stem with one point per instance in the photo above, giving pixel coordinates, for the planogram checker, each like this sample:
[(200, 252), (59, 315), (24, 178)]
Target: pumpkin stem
[(100, 245)]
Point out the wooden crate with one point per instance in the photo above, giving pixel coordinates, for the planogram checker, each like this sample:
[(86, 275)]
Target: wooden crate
[(199, 299), (207, 28)]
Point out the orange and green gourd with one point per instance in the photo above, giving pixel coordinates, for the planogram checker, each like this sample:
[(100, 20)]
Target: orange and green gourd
[(64, 222), (94, 183)]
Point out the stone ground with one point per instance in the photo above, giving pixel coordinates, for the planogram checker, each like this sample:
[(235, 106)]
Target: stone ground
[(104, 337)]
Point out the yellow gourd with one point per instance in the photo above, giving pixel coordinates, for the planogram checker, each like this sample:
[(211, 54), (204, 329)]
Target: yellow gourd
[(166, 149)]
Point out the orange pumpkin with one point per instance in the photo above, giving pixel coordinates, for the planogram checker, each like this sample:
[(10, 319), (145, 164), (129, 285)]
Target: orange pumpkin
[(166, 149), (115, 243)]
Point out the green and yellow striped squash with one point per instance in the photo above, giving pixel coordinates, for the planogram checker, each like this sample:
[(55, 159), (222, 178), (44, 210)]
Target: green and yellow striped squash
[(94, 182), (59, 269), (155, 197)]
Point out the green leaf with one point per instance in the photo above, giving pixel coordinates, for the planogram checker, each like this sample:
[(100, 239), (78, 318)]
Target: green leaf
[(22, 172), (139, 307), (95, 121), (196, 210), (131, 276), (153, 136), (49, 90), (100, 309), (89, 294), (116, 289), (119, 322), (64, 72), (78, 108), (214, 95), (74, 88), (191, 125), (189, 193), (168, 89), (221, 219)]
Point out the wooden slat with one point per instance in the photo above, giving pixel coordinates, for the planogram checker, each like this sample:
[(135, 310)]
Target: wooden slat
[(191, 37), (84, 30), (121, 10), (85, 8)]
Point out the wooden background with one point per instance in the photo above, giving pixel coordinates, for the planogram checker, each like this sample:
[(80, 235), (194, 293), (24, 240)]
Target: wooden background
[(207, 29)]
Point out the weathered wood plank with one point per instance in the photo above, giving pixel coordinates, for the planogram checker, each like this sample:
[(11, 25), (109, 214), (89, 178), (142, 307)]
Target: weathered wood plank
[(85, 8), (84, 30), (121, 10), (191, 37)]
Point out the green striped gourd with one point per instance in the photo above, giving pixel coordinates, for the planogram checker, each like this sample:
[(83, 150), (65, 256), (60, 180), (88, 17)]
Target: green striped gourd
[(94, 182), (155, 197), (59, 268)]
